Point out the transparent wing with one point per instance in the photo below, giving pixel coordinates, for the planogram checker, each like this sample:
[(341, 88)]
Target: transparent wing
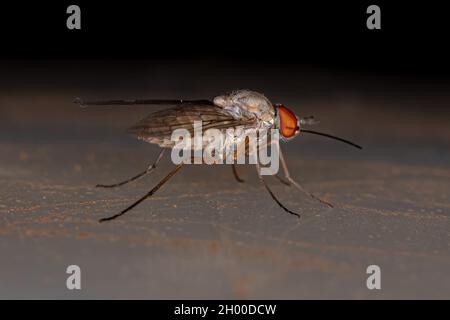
[(161, 124), (143, 102)]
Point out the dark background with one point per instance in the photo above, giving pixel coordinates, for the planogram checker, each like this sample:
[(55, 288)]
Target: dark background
[(412, 41)]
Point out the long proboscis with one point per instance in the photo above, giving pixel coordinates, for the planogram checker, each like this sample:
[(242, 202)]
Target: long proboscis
[(332, 137), (143, 102)]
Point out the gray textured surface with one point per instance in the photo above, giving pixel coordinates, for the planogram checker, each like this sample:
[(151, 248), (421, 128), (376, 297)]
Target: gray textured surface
[(205, 236)]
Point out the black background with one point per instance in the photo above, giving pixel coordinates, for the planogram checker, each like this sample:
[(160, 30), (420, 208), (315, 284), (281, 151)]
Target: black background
[(412, 41)]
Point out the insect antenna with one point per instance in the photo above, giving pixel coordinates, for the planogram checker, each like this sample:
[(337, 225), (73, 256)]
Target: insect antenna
[(332, 137)]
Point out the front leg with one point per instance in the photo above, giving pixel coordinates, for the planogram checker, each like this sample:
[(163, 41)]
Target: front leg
[(236, 175), (296, 184)]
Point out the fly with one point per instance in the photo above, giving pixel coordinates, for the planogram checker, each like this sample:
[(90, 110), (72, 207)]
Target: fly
[(241, 108)]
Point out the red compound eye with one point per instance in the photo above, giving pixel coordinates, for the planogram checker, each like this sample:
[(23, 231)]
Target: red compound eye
[(288, 122)]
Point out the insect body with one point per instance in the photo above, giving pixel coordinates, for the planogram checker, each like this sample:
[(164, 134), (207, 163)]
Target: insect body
[(244, 109)]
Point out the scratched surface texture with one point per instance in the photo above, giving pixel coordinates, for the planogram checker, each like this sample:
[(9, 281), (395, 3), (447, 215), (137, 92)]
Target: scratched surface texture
[(204, 235)]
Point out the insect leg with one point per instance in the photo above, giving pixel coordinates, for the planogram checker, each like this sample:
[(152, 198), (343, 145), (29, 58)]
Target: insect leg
[(148, 195), (258, 170), (236, 175), (282, 180), (149, 170), (297, 185)]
